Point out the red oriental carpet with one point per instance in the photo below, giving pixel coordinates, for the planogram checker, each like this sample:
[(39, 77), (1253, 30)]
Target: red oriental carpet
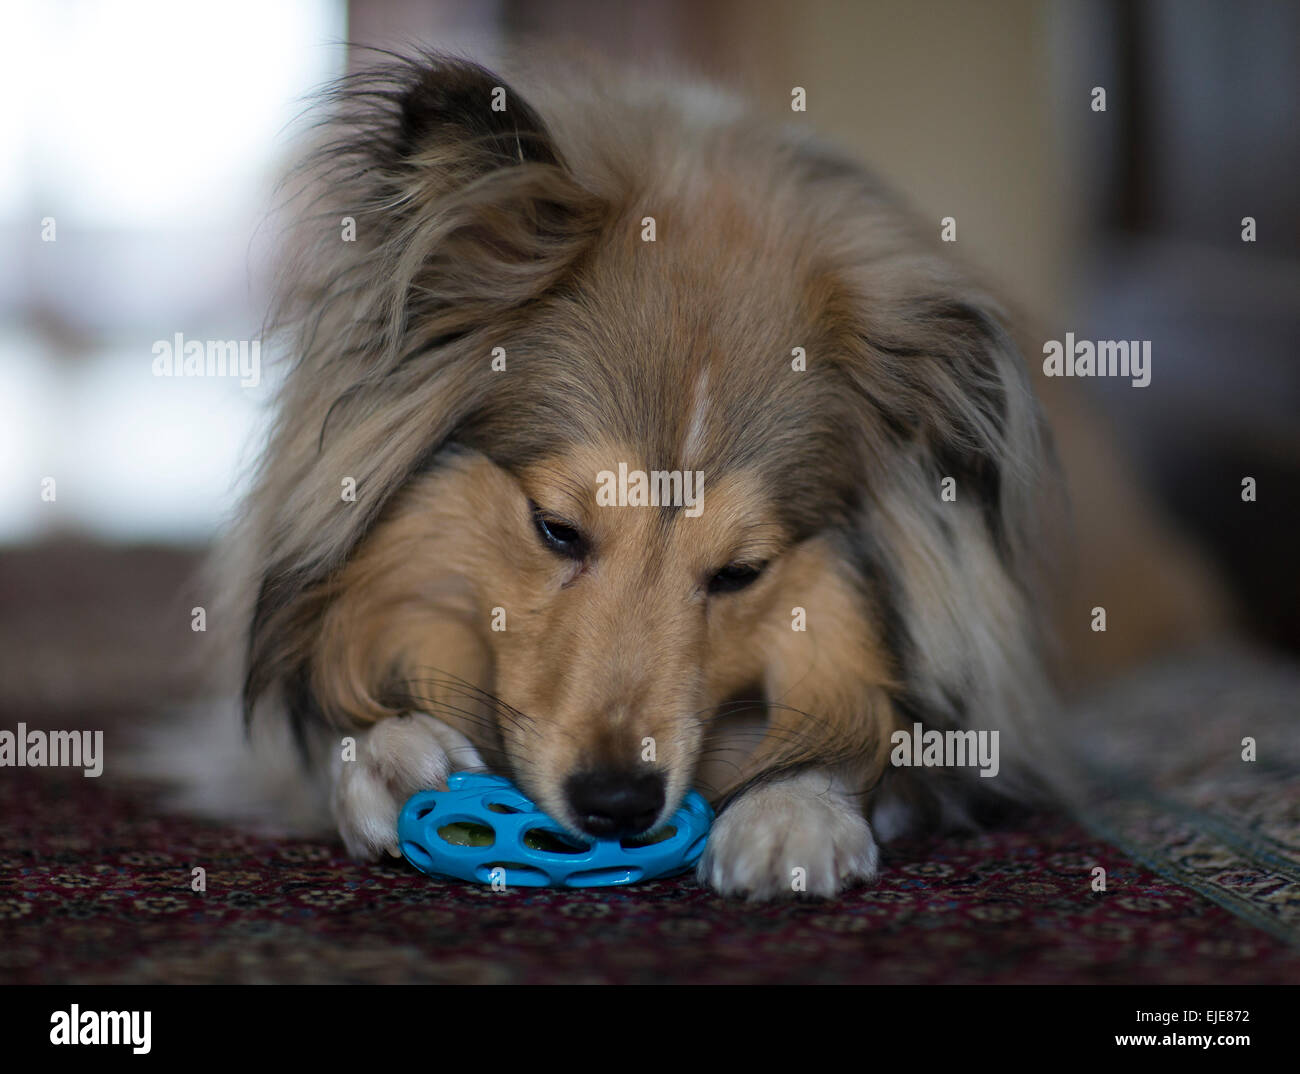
[(95, 882)]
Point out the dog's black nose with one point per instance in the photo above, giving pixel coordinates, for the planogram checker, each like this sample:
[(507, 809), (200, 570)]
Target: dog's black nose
[(615, 803)]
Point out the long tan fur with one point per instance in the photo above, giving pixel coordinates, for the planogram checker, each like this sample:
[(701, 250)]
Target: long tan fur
[(502, 331)]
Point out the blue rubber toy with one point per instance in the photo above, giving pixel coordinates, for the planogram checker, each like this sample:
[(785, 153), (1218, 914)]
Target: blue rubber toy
[(529, 847)]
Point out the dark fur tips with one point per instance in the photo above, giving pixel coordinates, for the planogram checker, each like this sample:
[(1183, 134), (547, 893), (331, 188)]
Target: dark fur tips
[(455, 101)]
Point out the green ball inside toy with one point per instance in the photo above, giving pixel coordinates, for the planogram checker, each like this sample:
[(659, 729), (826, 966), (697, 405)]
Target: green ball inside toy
[(465, 833)]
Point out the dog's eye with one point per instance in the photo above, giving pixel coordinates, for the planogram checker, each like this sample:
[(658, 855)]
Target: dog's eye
[(559, 536), (734, 576)]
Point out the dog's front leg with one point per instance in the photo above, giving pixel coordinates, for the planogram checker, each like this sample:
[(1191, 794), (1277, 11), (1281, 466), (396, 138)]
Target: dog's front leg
[(798, 826), (800, 833), (803, 831), (396, 757)]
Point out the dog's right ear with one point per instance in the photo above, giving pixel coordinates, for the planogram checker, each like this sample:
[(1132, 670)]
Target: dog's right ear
[(459, 203), (434, 127), (469, 119), (439, 206)]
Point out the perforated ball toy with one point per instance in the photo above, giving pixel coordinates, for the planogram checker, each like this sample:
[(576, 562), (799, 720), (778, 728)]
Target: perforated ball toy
[(483, 823)]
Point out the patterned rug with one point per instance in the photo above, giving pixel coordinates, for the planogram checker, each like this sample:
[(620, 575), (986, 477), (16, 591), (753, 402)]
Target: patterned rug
[(95, 882), (1196, 774), (94, 888)]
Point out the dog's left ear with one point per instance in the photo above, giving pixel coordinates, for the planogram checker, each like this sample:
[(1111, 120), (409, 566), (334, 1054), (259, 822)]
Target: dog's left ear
[(967, 399), (949, 387)]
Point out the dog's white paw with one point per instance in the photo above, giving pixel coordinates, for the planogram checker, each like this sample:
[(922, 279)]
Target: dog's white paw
[(394, 759), (802, 834)]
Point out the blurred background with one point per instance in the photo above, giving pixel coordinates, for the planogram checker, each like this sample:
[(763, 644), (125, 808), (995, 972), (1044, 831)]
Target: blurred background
[(140, 143)]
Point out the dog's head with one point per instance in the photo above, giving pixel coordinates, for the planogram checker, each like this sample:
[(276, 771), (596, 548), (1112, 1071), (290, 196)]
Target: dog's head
[(614, 412)]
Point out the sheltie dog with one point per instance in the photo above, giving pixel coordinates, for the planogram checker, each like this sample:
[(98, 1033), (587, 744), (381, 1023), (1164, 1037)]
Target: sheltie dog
[(631, 442)]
